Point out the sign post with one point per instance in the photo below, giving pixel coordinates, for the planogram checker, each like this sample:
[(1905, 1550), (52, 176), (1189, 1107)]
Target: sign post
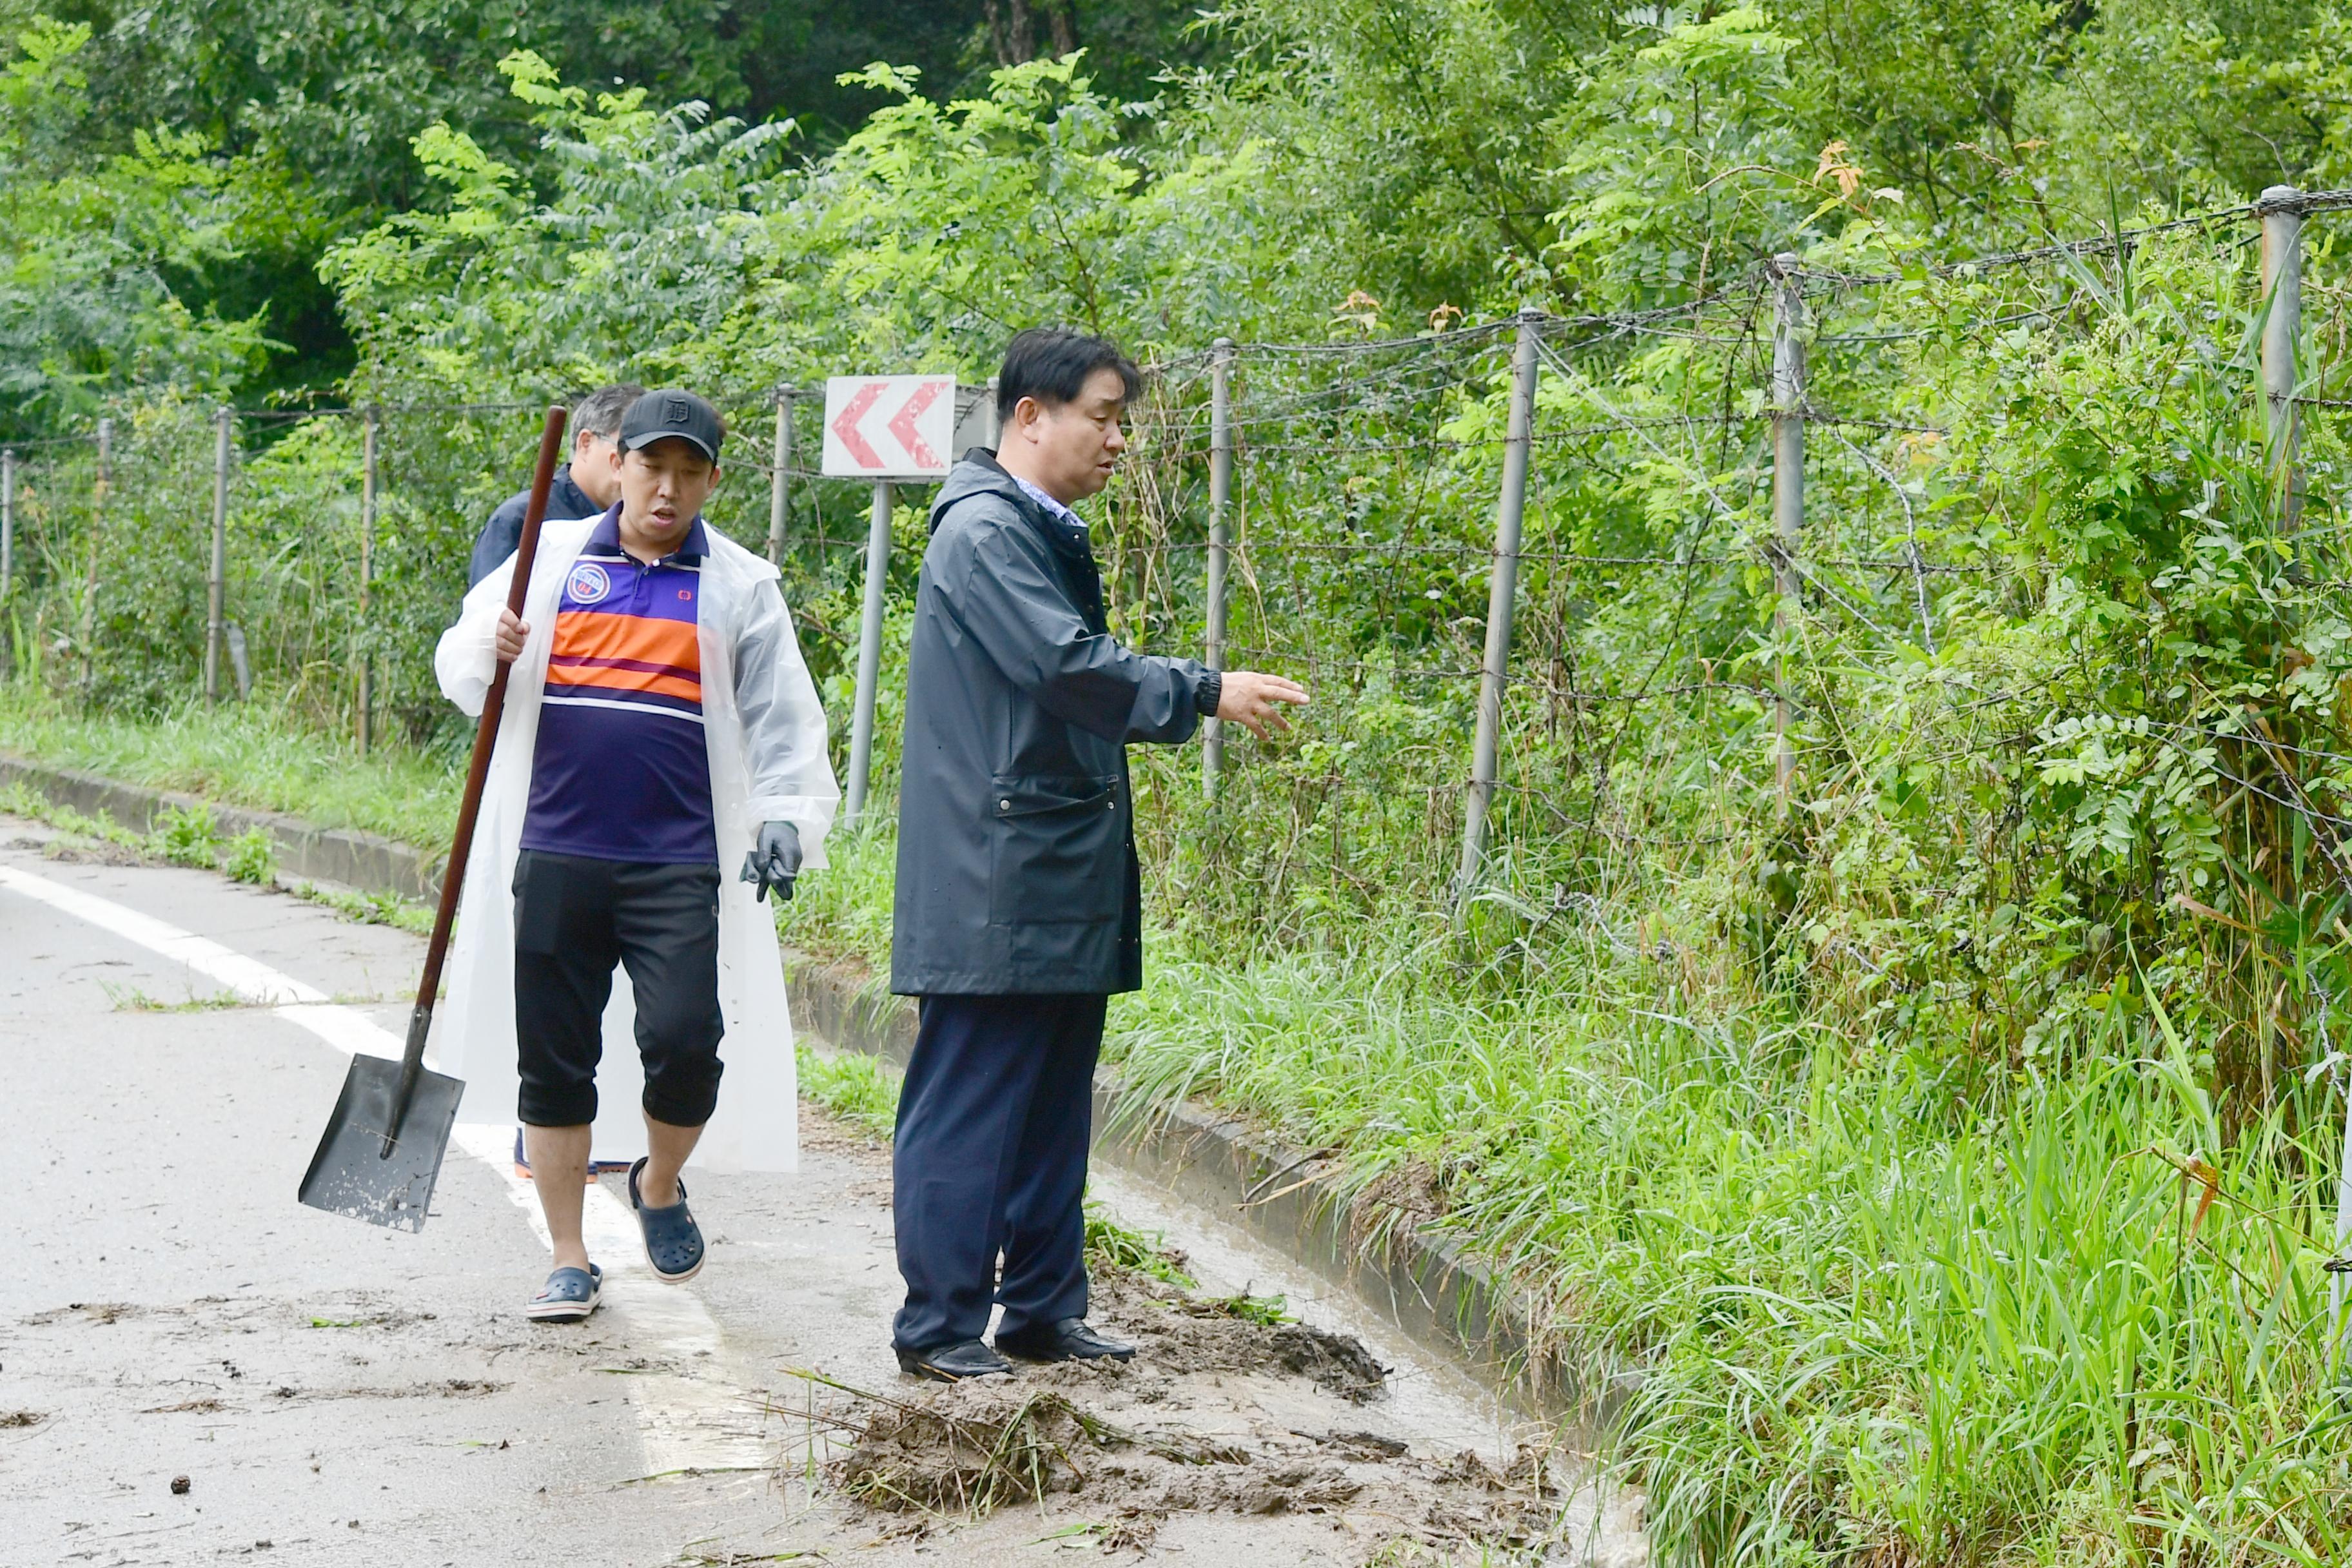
[(882, 428)]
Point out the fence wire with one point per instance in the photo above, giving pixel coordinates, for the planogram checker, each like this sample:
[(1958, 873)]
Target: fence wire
[(1666, 624)]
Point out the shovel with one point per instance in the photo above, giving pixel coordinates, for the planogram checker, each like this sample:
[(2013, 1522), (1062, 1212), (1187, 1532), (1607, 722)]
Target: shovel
[(382, 1147)]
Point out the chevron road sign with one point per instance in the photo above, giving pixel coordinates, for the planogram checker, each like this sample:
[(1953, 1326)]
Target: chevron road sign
[(890, 426)]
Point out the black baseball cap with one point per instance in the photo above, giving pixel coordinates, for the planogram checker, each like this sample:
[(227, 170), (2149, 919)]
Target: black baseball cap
[(672, 411)]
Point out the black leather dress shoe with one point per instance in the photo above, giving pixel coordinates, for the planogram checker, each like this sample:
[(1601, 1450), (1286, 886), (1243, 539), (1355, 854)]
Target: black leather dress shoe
[(1069, 1340), (954, 1363)]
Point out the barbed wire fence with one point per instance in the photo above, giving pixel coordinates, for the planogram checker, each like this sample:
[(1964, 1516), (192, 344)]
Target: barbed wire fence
[(1437, 533)]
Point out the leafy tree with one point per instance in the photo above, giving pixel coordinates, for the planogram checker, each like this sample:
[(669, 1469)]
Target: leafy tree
[(89, 242)]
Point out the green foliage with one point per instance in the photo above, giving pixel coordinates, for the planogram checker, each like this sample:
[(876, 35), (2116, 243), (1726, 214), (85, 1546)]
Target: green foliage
[(843, 911), (186, 836), (1112, 1245), (250, 857), (89, 238), (861, 1090)]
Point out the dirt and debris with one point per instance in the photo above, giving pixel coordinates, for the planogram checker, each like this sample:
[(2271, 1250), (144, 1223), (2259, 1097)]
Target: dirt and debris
[(1217, 1416), (88, 852), (90, 1311), (1359, 1445), (1336, 1361), (440, 1388), (1178, 1331)]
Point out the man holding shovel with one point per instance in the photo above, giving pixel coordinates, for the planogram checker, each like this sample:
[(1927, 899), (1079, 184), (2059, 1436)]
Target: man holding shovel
[(660, 723), (1019, 897)]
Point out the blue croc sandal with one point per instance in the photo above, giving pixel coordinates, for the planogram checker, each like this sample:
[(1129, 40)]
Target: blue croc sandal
[(673, 1241), (568, 1297)]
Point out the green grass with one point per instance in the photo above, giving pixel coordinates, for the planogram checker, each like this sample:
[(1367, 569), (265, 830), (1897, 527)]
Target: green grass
[(861, 1090), (843, 909), (182, 835), (244, 754), (371, 909), (1871, 1303), (1109, 1242)]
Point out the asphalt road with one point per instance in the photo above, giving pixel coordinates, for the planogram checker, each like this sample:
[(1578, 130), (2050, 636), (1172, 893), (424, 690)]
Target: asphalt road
[(334, 1393)]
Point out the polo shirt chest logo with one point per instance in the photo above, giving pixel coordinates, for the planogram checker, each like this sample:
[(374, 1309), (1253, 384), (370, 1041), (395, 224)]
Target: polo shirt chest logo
[(588, 583)]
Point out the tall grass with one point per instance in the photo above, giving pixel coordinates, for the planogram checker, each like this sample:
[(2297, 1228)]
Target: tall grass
[(843, 911), (244, 754), (1874, 1308)]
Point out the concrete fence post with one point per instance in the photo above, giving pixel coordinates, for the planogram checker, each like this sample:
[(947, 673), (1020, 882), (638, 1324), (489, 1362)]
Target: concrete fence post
[(870, 651), (88, 635), (366, 729), (780, 491), (216, 569), (2281, 216), (1221, 497), (7, 521), (1788, 491), (1502, 602)]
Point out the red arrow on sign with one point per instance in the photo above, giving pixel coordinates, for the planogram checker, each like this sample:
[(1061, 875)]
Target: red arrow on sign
[(902, 425), (844, 425)]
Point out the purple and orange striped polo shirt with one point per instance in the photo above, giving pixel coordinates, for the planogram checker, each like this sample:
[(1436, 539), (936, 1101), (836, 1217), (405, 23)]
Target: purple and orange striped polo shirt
[(621, 771)]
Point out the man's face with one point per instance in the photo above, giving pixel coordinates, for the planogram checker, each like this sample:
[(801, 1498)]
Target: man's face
[(663, 486), (596, 466), (1074, 446)]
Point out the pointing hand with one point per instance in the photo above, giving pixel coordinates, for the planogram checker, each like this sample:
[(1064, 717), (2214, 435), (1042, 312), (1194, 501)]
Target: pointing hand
[(1252, 701)]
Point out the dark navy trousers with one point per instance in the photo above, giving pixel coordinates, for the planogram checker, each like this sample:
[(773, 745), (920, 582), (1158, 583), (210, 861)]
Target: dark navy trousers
[(991, 1158)]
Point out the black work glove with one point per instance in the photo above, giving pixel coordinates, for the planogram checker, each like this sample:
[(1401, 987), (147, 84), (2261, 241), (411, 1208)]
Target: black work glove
[(776, 861)]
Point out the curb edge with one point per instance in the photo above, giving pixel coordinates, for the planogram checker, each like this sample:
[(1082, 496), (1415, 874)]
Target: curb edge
[(356, 859), (1422, 1284)]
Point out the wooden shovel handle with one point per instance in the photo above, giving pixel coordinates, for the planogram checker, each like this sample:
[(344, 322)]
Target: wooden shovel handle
[(486, 734)]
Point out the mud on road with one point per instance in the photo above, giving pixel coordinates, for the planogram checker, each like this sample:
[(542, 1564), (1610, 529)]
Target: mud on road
[(1222, 1415), (194, 1367)]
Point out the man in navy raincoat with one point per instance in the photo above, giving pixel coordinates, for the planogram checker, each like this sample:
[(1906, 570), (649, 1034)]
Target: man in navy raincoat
[(1019, 907)]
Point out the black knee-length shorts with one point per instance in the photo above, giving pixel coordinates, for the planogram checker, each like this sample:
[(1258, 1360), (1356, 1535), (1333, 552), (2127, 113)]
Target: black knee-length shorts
[(574, 920)]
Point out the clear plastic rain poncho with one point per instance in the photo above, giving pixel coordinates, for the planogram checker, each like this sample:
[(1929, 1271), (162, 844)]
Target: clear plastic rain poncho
[(766, 734)]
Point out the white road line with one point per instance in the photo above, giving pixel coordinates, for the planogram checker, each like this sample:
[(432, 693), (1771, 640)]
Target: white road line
[(683, 1422)]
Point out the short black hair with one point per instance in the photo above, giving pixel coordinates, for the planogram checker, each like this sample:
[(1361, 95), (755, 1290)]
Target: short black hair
[(599, 413), (1052, 364)]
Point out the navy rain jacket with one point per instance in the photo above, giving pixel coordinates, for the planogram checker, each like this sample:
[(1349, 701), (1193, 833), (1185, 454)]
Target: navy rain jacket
[(501, 536), (1017, 871)]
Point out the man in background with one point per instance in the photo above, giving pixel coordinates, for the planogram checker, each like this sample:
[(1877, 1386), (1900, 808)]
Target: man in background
[(587, 486)]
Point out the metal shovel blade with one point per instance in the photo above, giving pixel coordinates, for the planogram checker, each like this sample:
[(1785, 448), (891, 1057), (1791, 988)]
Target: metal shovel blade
[(353, 1175)]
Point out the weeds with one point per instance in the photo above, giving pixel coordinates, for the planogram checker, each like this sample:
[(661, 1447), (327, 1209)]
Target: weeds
[(131, 999), (1112, 1244), (373, 909), (182, 835), (250, 857), (1265, 1312), (185, 835), (861, 1090)]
